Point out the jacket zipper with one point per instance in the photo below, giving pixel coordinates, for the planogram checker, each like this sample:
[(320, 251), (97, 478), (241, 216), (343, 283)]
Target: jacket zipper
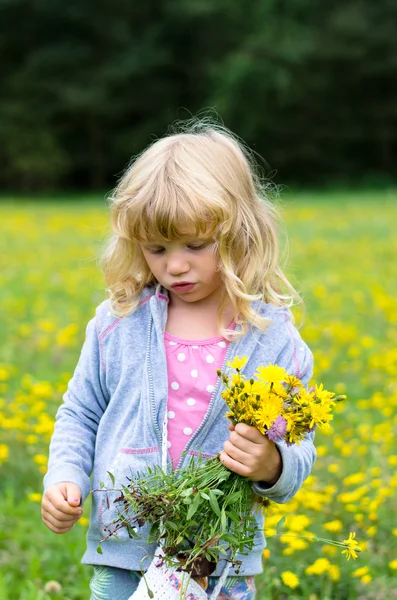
[(151, 387), (214, 394)]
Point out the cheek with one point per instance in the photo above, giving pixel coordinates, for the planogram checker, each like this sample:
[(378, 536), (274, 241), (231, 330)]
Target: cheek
[(212, 267)]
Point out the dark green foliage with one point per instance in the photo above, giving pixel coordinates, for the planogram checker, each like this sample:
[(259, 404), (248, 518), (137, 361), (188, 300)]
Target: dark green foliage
[(202, 513), (85, 85)]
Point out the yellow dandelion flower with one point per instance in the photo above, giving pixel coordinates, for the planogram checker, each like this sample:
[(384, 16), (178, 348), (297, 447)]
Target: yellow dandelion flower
[(271, 374), (334, 572), (333, 526), (352, 546), (4, 452), (361, 571), (279, 390), (237, 363), (35, 497), (354, 479), (293, 382), (268, 412), (393, 565), (40, 459), (320, 566), (298, 522), (324, 395), (320, 415), (290, 579)]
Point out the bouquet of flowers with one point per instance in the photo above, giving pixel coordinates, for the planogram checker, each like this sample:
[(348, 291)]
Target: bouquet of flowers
[(203, 512)]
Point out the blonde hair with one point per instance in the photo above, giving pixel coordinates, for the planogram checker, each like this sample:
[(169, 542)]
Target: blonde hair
[(201, 176)]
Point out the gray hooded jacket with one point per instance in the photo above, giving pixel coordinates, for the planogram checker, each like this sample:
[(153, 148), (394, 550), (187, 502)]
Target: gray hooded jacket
[(114, 406)]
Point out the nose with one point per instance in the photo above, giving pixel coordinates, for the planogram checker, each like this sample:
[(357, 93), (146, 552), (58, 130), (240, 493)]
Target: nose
[(177, 263)]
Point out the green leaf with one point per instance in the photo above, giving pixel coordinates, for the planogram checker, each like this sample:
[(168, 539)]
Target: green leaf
[(228, 537), (233, 497), (193, 507), (214, 504), (99, 549), (111, 477), (204, 495), (233, 515), (280, 525), (223, 519), (101, 485)]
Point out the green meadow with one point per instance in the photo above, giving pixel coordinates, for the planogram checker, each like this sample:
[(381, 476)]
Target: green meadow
[(342, 257)]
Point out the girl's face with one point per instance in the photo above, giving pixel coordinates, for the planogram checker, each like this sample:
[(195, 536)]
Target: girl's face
[(187, 268)]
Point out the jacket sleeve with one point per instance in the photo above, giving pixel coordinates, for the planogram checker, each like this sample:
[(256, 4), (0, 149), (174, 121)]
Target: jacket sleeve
[(73, 441), (297, 460)]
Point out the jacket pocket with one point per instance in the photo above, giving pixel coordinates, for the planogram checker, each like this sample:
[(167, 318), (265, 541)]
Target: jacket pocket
[(125, 468)]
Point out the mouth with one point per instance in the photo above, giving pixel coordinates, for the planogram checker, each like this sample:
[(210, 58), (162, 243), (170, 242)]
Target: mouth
[(182, 286)]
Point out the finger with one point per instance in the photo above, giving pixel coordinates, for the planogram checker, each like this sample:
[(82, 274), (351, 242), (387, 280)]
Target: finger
[(73, 494), (54, 526), (234, 465), (251, 433), (236, 453), (53, 523), (56, 500), (58, 514), (242, 443)]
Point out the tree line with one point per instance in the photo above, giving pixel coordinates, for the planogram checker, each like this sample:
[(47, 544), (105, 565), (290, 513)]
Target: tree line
[(85, 84)]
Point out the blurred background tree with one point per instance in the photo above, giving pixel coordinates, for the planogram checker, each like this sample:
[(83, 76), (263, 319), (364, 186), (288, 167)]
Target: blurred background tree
[(86, 84)]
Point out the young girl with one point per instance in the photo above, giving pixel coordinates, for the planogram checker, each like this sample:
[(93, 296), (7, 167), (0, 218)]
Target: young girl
[(194, 280)]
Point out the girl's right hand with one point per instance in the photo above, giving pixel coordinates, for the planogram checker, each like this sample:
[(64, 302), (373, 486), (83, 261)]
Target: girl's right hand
[(60, 507)]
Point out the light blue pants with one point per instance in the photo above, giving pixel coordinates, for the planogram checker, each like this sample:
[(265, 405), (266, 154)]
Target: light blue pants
[(109, 583)]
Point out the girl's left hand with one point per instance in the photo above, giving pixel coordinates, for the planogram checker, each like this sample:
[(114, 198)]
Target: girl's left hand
[(251, 454)]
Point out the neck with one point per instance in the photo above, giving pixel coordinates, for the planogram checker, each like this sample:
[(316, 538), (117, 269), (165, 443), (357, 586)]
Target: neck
[(196, 320)]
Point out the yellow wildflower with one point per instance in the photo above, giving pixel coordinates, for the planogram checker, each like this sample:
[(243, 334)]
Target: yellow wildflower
[(290, 579), (3, 452), (35, 497), (271, 374), (237, 363), (361, 571), (333, 526), (268, 413), (293, 382), (352, 546), (320, 566), (334, 572)]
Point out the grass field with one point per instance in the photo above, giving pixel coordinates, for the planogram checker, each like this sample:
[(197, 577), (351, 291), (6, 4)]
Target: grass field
[(343, 256)]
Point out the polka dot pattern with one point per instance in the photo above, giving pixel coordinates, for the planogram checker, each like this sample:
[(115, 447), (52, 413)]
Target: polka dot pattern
[(192, 377)]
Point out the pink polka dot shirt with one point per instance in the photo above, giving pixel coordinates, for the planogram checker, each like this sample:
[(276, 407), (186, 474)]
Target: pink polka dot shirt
[(192, 377)]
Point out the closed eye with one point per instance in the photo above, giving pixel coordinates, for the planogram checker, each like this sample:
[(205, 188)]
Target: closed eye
[(155, 250), (198, 245)]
